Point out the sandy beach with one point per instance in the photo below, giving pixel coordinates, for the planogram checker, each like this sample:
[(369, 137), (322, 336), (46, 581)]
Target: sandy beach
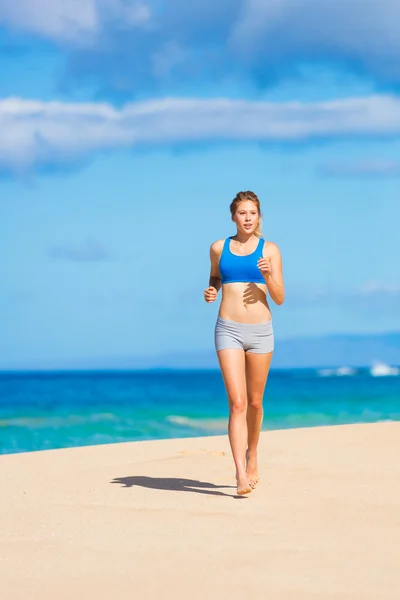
[(160, 519)]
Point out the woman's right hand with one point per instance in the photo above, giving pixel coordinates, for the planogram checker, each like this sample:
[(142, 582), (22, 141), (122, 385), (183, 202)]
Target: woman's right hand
[(210, 294)]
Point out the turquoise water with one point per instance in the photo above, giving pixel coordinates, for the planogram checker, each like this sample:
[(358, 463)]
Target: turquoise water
[(55, 410)]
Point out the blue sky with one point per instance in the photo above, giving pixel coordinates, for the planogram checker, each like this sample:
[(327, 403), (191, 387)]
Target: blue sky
[(126, 128)]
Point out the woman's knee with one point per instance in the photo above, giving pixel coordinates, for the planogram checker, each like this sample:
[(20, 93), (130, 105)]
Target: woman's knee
[(238, 404), (255, 401)]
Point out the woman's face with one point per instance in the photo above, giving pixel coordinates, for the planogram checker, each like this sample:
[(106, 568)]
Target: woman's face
[(246, 217)]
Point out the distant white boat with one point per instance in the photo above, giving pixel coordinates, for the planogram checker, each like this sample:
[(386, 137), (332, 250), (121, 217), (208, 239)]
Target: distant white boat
[(380, 369)]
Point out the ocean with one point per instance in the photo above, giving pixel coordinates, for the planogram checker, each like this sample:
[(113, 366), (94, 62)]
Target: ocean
[(41, 411)]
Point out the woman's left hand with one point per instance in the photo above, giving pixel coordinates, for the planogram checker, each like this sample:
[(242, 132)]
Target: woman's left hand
[(265, 266)]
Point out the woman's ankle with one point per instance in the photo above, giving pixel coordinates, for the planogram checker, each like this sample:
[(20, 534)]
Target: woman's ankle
[(252, 454)]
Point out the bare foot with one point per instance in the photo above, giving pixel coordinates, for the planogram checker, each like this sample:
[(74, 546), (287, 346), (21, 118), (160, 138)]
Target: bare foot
[(252, 469), (243, 484)]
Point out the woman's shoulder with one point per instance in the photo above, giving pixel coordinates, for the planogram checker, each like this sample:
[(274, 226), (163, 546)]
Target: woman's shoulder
[(217, 247), (270, 248)]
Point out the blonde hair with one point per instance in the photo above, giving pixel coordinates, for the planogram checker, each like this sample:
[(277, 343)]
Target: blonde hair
[(240, 197)]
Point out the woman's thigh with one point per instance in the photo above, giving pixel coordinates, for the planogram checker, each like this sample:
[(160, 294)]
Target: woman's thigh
[(257, 369), (232, 363)]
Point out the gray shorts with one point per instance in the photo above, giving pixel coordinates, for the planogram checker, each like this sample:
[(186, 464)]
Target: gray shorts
[(257, 337)]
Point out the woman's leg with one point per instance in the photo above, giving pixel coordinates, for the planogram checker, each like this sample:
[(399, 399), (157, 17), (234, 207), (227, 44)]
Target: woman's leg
[(257, 369), (232, 363)]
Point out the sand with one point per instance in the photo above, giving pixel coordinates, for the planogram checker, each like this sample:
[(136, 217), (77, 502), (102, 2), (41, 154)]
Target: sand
[(160, 519)]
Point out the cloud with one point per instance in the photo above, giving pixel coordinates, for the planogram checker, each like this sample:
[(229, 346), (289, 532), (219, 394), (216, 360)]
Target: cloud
[(87, 251), (129, 46), (35, 133), (368, 289), (366, 167), (77, 22), (371, 298), (378, 287)]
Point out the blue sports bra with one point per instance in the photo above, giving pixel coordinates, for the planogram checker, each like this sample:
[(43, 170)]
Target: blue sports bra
[(235, 268)]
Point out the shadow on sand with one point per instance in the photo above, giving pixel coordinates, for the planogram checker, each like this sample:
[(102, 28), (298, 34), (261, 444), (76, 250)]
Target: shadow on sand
[(175, 484)]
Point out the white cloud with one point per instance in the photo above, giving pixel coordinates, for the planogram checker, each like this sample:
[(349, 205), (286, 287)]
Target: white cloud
[(88, 251), (36, 133), (364, 30), (133, 46), (379, 287), (379, 298), (368, 291), (164, 60), (58, 19), (70, 20), (373, 167)]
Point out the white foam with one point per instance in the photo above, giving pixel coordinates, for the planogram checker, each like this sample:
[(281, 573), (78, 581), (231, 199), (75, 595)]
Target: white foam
[(204, 424), (345, 371), (339, 372)]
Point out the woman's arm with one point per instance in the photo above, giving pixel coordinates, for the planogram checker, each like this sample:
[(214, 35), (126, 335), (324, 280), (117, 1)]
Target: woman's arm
[(271, 268), (215, 277), (215, 283)]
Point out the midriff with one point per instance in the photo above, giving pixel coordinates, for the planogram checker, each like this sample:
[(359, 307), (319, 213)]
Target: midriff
[(245, 303)]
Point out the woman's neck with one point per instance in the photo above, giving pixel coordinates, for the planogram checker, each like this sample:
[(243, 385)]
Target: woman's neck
[(243, 238)]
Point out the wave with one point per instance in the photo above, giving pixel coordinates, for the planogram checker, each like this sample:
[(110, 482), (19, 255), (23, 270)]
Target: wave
[(338, 372), (380, 369), (203, 424), (57, 421)]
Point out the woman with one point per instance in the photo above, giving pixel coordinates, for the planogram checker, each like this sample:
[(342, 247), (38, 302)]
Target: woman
[(247, 268)]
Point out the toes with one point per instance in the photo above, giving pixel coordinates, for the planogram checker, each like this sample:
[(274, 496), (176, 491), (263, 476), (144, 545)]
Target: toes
[(253, 481), (244, 491)]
